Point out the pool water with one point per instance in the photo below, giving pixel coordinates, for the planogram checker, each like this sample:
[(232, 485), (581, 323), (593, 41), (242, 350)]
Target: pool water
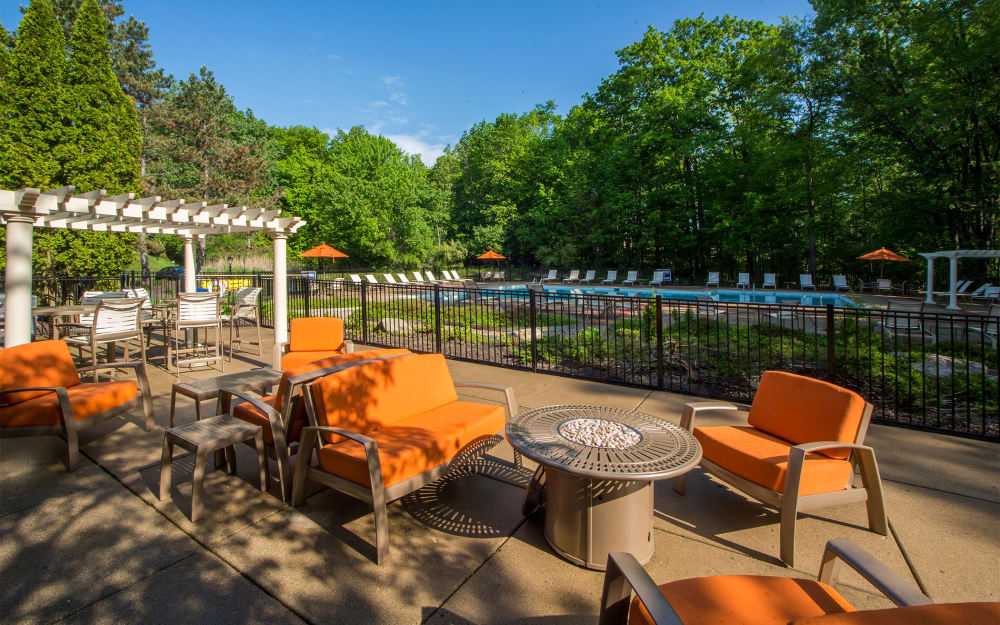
[(756, 297)]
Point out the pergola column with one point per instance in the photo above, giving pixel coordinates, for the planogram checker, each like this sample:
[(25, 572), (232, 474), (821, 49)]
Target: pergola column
[(280, 296), (17, 284), (930, 280), (190, 278), (952, 281)]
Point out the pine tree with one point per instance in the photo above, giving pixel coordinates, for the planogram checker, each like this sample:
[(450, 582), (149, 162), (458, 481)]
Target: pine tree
[(104, 139), (31, 102)]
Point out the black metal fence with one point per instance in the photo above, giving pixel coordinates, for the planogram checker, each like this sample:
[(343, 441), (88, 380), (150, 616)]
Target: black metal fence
[(925, 370)]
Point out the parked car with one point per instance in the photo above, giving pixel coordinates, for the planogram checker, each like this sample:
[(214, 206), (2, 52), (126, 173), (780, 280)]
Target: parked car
[(174, 272)]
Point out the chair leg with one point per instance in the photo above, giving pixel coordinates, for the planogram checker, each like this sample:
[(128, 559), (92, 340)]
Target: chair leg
[(231, 459), (679, 484), (789, 516), (878, 520), (262, 461), (381, 526), (260, 349), (173, 405)]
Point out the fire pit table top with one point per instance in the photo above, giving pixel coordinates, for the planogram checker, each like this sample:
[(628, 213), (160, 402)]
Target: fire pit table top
[(604, 443)]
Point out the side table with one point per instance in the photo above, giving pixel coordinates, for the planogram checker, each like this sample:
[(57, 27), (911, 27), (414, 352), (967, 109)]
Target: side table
[(203, 438), (200, 390)]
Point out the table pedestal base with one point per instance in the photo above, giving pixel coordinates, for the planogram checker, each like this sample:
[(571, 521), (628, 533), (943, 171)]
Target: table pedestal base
[(585, 519)]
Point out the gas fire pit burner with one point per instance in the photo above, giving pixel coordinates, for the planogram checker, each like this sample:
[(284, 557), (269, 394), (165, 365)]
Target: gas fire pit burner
[(600, 433)]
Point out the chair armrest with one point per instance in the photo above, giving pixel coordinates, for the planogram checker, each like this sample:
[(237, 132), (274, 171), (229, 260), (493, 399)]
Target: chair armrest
[(54, 389), (508, 392), (74, 324), (889, 583), (692, 409), (110, 365), (348, 347), (283, 347), (273, 416), (311, 432), (623, 575)]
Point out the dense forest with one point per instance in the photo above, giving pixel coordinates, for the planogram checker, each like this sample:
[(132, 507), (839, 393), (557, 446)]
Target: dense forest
[(718, 144)]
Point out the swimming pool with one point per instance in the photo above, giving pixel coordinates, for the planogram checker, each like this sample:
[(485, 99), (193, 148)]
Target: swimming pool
[(719, 295)]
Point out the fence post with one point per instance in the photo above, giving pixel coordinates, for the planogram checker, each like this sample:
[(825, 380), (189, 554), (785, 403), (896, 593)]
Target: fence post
[(308, 288), (534, 330), (364, 313), (659, 341), (831, 341), (437, 318)]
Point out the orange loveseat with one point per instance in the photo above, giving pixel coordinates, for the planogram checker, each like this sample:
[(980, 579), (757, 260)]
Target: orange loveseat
[(281, 416), (385, 428), (803, 439), (41, 394), (760, 599), (313, 338)]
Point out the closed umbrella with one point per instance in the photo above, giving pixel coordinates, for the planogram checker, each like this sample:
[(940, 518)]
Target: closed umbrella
[(884, 255)]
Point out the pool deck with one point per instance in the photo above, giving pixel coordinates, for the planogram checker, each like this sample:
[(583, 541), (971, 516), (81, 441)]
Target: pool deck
[(96, 545)]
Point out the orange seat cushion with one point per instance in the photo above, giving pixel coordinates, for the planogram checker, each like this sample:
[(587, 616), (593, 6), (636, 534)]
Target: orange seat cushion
[(291, 360), (86, 400), (45, 363), (415, 445), (379, 393), (763, 459), (745, 599), (249, 413), (806, 410), (936, 614), (315, 334)]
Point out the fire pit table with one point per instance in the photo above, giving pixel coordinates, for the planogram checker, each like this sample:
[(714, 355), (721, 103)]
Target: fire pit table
[(596, 471)]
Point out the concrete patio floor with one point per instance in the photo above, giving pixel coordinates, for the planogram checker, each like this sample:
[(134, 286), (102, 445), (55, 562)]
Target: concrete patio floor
[(97, 546)]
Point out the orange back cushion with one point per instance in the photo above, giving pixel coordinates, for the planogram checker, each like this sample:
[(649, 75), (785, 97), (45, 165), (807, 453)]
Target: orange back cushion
[(45, 363), (378, 393), (330, 361), (804, 410), (314, 334)]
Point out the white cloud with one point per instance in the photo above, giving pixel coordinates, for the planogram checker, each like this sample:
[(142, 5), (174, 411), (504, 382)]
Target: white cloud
[(334, 57), (400, 120), (330, 132), (380, 104), (391, 81), (398, 97), (417, 144)]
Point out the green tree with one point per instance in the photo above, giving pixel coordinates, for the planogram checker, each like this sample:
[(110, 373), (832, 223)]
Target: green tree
[(104, 141), (32, 103)]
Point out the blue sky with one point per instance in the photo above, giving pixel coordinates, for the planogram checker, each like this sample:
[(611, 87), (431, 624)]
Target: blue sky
[(420, 73)]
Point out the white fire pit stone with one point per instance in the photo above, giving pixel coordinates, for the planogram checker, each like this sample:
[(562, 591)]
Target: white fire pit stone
[(600, 433)]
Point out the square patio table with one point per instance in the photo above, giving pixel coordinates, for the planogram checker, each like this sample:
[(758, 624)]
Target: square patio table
[(209, 388)]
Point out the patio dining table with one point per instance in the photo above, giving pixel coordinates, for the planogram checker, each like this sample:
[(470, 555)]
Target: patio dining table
[(61, 311)]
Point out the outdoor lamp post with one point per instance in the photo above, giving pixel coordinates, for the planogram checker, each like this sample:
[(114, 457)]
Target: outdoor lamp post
[(230, 259)]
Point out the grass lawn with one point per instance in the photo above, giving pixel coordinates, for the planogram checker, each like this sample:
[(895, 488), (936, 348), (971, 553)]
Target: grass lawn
[(156, 263)]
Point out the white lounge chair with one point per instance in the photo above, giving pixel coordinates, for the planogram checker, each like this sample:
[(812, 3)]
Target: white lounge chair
[(706, 306), (989, 328), (713, 278), (389, 278), (806, 281), (371, 278), (744, 281), (840, 283), (960, 288), (500, 276), (770, 281), (989, 294), (431, 278), (612, 276), (906, 326), (657, 279), (574, 276), (548, 278), (355, 278), (632, 278), (402, 278), (978, 290), (419, 279), (587, 279)]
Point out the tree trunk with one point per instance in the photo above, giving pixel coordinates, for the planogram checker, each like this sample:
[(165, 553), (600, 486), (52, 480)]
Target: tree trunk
[(141, 243), (811, 208)]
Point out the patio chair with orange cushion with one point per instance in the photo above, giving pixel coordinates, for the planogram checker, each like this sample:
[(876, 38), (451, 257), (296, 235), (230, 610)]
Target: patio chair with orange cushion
[(281, 416), (41, 394), (760, 600), (313, 338), (385, 428), (798, 452)]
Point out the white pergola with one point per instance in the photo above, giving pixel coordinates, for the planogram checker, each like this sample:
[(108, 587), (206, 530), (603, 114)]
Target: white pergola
[(953, 256), (23, 210)]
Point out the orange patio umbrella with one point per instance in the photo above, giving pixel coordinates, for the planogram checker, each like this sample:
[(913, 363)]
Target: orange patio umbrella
[(884, 254), (491, 255), (323, 251)]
